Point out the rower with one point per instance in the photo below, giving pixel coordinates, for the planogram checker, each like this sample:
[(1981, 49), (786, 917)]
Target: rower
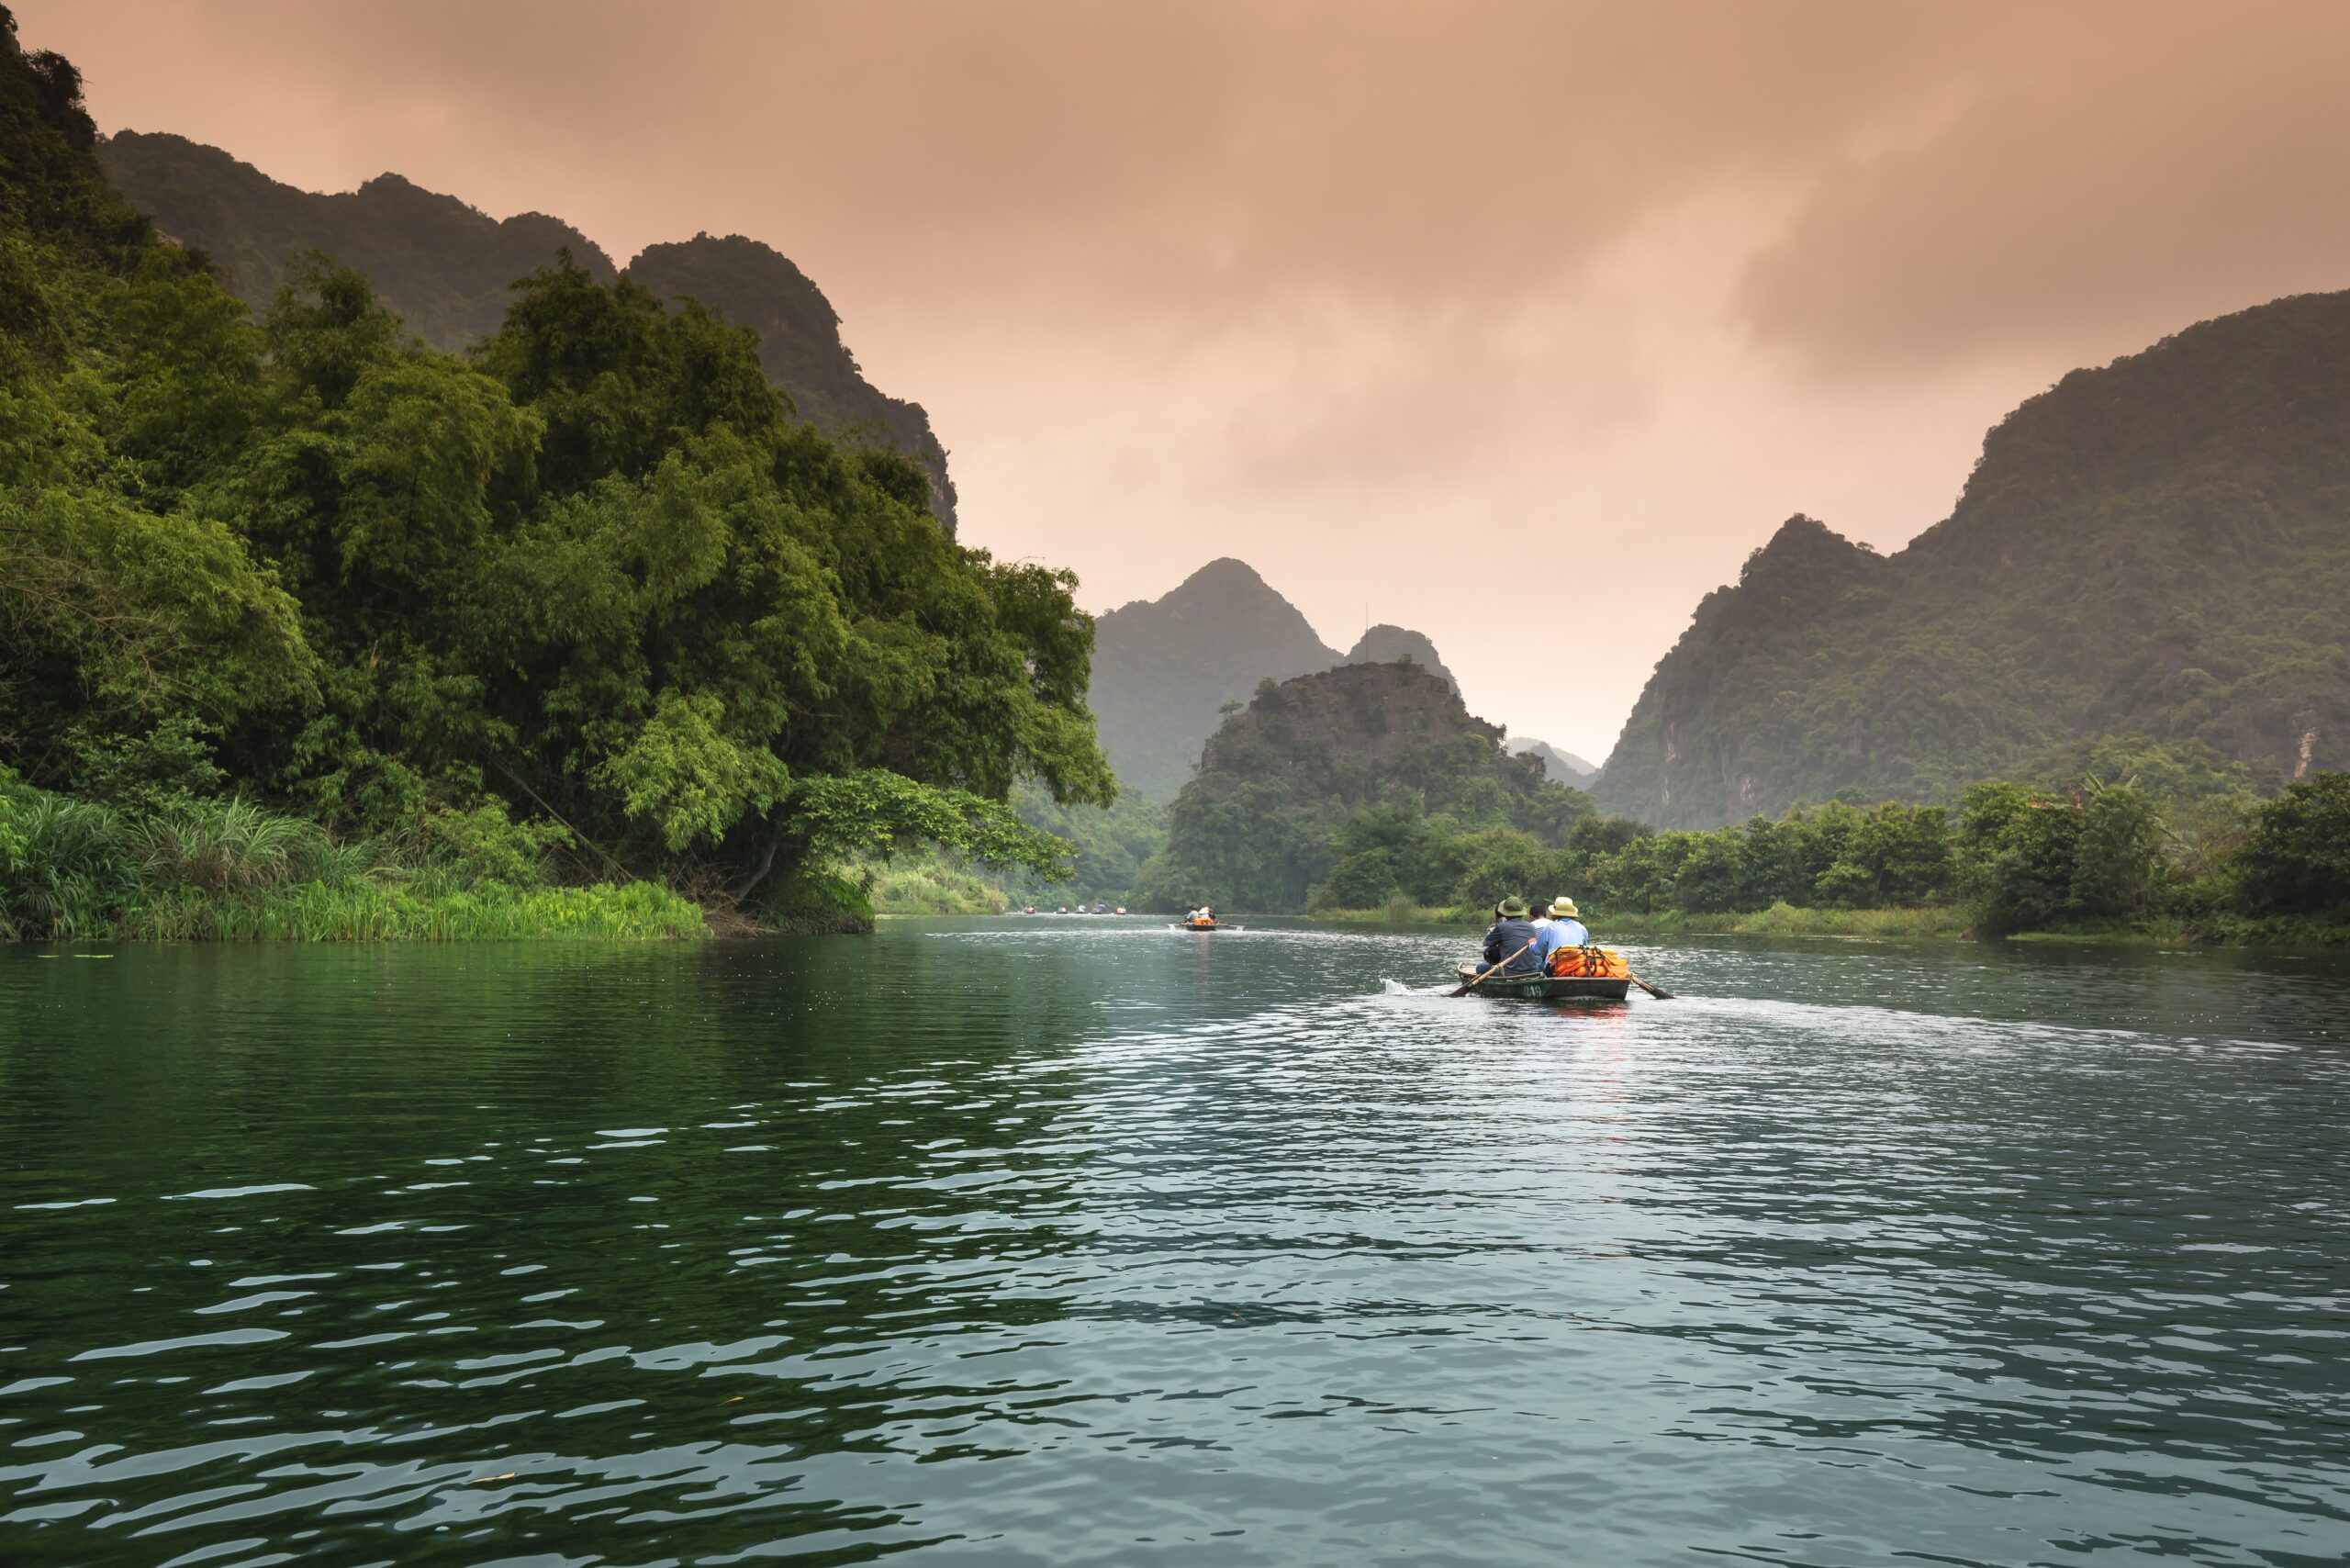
[(1510, 932)]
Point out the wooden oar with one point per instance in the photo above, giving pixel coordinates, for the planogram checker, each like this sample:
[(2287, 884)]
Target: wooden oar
[(1464, 989), (1661, 994)]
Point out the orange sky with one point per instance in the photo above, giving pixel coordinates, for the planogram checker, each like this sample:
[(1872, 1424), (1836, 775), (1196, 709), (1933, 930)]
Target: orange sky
[(1518, 324)]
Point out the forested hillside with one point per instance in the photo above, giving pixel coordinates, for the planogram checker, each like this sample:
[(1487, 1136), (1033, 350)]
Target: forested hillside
[(447, 271), (1165, 669), (299, 608), (1351, 786), (757, 286), (2160, 548)]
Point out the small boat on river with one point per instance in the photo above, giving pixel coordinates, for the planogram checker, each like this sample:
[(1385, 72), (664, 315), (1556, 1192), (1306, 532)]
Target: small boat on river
[(1547, 988)]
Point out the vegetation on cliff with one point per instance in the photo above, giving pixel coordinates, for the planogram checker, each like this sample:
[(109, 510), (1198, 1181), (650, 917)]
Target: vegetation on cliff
[(2152, 548), (1165, 671), (590, 585), (1351, 786), (1369, 788), (445, 269)]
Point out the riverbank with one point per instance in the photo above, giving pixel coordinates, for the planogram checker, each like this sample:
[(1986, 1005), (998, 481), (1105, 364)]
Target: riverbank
[(1921, 923), (226, 870), (1781, 920), (366, 910)]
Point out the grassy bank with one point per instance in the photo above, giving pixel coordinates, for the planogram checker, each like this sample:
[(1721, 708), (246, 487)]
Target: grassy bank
[(930, 885), (1928, 923), (226, 870), (1787, 919), (1402, 912), (1781, 920), (366, 911), (405, 912)]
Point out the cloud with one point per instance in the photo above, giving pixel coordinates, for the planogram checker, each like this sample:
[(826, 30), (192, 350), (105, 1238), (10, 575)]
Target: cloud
[(1371, 293), (2122, 179)]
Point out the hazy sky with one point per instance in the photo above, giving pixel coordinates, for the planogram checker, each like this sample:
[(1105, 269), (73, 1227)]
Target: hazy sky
[(1518, 324)]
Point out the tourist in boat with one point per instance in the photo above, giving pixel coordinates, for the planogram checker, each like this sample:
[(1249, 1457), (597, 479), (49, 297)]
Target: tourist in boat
[(1560, 927), (1511, 931)]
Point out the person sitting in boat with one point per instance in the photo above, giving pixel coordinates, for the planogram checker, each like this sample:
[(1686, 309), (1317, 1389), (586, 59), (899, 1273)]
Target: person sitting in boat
[(1510, 932), (1562, 928)]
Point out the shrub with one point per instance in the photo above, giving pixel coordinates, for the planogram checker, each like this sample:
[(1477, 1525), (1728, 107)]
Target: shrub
[(2296, 860), (223, 847), (483, 844), (1362, 881), (64, 868), (144, 772)]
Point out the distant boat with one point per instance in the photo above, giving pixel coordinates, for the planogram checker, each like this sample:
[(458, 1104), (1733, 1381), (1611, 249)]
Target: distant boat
[(1122, 909)]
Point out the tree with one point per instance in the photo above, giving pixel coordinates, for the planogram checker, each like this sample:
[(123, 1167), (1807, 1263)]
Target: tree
[(2296, 860)]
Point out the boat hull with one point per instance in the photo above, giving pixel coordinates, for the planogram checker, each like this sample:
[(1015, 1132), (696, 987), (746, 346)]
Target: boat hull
[(1548, 988)]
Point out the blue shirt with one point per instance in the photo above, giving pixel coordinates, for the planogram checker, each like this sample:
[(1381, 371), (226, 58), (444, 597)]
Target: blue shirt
[(1551, 936)]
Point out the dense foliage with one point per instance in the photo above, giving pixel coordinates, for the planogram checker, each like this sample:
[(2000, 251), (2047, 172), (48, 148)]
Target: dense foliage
[(1346, 787), (592, 578), (1109, 846), (1372, 788), (2154, 548), (444, 269), (2181, 846), (193, 868)]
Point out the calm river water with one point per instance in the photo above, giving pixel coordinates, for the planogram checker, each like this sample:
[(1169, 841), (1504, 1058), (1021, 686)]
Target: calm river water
[(1067, 1241)]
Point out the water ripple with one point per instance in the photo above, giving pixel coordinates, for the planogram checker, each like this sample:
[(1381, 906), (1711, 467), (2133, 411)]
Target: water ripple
[(1093, 1242)]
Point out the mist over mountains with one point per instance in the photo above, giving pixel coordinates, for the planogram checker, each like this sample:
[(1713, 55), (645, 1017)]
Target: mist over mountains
[(2153, 548), (1562, 766), (447, 270), (2159, 548)]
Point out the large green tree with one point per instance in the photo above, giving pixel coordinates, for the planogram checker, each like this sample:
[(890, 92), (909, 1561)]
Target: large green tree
[(594, 574)]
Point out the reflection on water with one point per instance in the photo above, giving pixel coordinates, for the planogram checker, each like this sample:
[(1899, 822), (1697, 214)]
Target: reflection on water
[(1087, 1241)]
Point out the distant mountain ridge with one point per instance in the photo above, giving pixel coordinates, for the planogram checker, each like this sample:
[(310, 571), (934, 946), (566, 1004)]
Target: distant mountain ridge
[(446, 269), (2159, 548), (1164, 669), (1562, 766), (1385, 644)]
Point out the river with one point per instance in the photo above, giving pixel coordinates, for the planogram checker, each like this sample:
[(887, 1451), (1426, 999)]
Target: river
[(1087, 1241)]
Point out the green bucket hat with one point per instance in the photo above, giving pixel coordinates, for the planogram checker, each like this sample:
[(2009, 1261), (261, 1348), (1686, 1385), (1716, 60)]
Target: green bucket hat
[(1513, 909)]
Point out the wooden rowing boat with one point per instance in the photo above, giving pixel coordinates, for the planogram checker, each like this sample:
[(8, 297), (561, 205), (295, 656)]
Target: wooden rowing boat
[(1546, 988)]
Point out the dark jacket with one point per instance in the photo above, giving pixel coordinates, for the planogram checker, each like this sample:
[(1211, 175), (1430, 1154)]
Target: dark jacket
[(1507, 937)]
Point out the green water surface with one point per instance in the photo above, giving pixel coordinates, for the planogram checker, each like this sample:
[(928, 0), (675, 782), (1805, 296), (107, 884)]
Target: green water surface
[(1087, 1241)]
